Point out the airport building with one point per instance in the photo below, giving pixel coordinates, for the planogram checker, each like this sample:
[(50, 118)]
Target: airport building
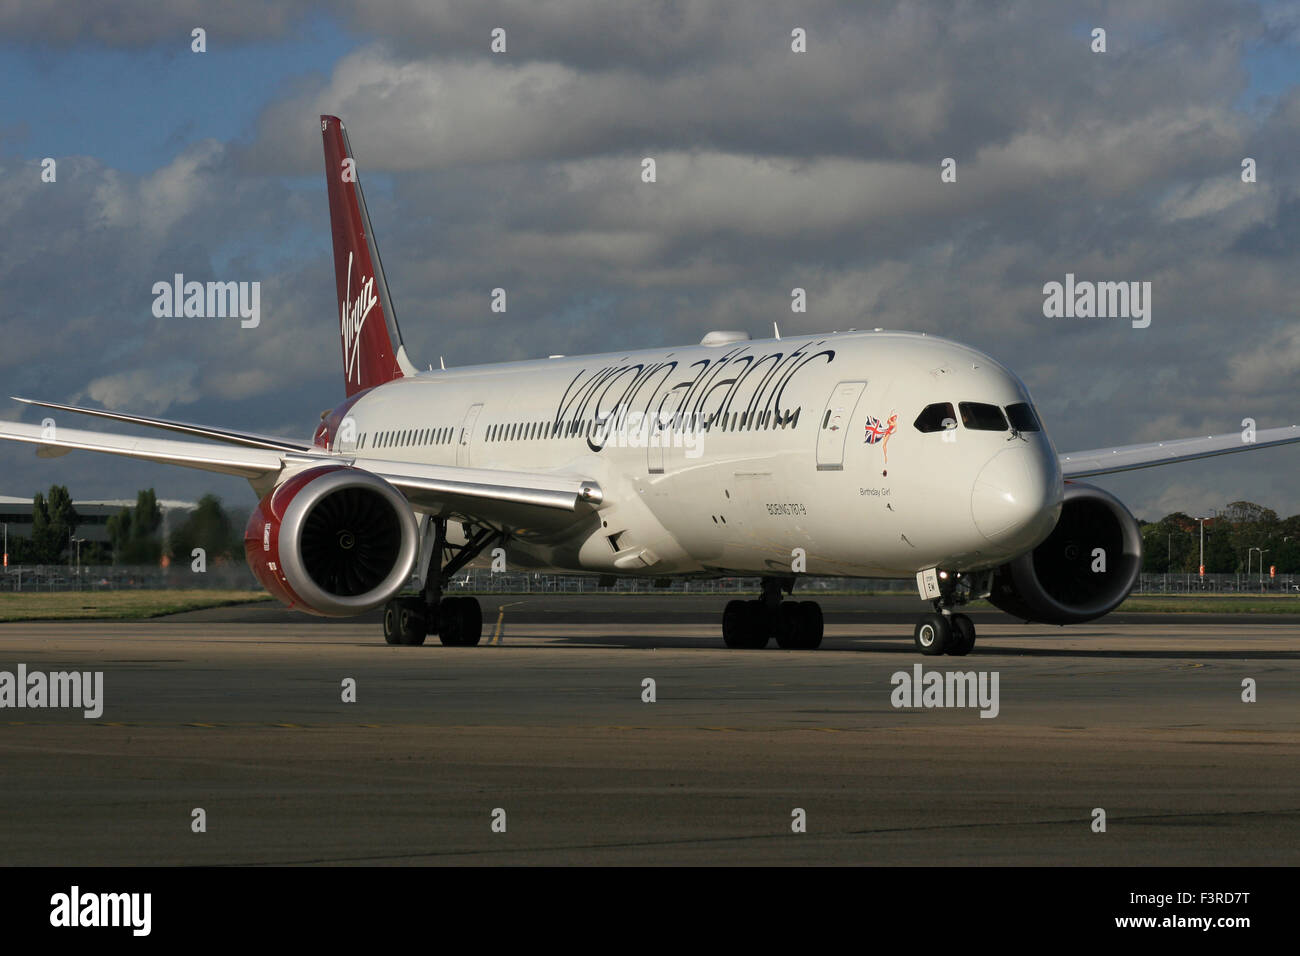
[(16, 513)]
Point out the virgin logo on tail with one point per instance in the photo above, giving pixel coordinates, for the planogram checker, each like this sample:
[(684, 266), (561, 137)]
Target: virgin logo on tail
[(352, 319)]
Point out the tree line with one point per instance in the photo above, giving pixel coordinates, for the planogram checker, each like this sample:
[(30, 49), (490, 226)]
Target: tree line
[(135, 534), (1234, 537)]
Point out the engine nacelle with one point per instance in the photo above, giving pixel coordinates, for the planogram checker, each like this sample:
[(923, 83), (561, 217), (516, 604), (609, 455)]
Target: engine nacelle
[(333, 541), (1065, 580)]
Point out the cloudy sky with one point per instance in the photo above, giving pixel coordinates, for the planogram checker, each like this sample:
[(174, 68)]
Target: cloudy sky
[(776, 169)]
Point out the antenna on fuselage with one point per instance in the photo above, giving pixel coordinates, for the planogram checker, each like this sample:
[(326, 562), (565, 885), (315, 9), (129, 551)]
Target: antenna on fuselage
[(776, 331), (441, 364)]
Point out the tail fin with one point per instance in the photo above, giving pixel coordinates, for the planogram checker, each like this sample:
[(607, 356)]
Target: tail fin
[(372, 344)]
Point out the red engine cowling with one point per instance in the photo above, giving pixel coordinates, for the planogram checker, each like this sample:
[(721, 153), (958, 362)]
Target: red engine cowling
[(1085, 568), (333, 541)]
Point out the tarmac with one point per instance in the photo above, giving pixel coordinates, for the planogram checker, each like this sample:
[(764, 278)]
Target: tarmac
[(549, 736)]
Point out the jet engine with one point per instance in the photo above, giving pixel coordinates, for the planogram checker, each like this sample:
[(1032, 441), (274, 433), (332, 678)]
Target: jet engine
[(333, 541), (1085, 568)]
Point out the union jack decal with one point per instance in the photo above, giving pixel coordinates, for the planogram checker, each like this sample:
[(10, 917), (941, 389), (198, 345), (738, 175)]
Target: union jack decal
[(878, 431)]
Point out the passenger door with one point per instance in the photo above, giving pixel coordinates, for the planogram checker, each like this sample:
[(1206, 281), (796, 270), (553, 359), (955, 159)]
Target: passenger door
[(834, 426)]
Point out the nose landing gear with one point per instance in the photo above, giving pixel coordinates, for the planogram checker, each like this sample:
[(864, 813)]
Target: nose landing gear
[(944, 632)]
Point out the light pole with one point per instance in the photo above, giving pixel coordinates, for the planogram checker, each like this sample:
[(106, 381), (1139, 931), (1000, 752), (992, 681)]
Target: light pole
[(77, 542), (1261, 564), (1214, 513)]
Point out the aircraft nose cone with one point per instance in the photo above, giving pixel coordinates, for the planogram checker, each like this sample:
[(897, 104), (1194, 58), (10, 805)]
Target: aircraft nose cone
[(1016, 497)]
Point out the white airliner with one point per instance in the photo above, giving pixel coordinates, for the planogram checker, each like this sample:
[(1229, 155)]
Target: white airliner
[(862, 454)]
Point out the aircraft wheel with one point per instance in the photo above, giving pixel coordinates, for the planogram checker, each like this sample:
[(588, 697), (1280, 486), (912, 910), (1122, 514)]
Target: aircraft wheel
[(761, 621), (932, 634), (745, 624), (789, 626), (404, 622), (811, 625), (963, 636), (390, 623), (460, 622), (799, 626), (735, 620)]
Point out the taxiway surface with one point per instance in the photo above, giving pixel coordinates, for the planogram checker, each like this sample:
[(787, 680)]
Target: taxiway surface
[(239, 711)]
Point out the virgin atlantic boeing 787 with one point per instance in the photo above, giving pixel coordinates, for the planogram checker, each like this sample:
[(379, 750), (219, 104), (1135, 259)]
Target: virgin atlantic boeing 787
[(863, 454)]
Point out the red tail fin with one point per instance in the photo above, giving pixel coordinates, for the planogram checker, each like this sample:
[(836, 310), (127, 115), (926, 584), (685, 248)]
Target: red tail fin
[(368, 332)]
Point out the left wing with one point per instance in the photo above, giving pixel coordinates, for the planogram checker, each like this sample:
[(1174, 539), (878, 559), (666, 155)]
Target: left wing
[(251, 439), (1105, 461), (251, 463), (493, 495)]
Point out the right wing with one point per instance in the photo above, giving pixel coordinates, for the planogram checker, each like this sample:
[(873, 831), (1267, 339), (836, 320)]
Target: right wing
[(1105, 461)]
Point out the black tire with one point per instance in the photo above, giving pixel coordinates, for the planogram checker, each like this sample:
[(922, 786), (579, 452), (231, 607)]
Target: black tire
[(761, 625), (471, 622), (963, 636), (404, 622), (460, 622), (932, 635), (789, 627), (735, 623), (811, 625), (746, 624), (410, 621), (390, 623)]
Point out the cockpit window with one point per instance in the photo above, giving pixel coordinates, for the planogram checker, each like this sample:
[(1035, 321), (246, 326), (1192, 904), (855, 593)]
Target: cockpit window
[(1023, 418), (936, 418), (982, 418)]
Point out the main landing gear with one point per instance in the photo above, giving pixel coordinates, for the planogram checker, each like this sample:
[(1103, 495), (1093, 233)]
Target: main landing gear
[(944, 632), (458, 621), (796, 625)]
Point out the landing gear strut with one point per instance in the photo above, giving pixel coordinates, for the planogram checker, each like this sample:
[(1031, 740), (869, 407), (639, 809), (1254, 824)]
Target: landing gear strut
[(944, 632), (458, 621), (796, 625)]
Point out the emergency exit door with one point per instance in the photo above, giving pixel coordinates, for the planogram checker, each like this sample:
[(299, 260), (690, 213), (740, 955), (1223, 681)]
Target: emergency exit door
[(467, 435)]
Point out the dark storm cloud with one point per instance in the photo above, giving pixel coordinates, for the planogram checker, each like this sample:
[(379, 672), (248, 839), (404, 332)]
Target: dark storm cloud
[(138, 23)]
